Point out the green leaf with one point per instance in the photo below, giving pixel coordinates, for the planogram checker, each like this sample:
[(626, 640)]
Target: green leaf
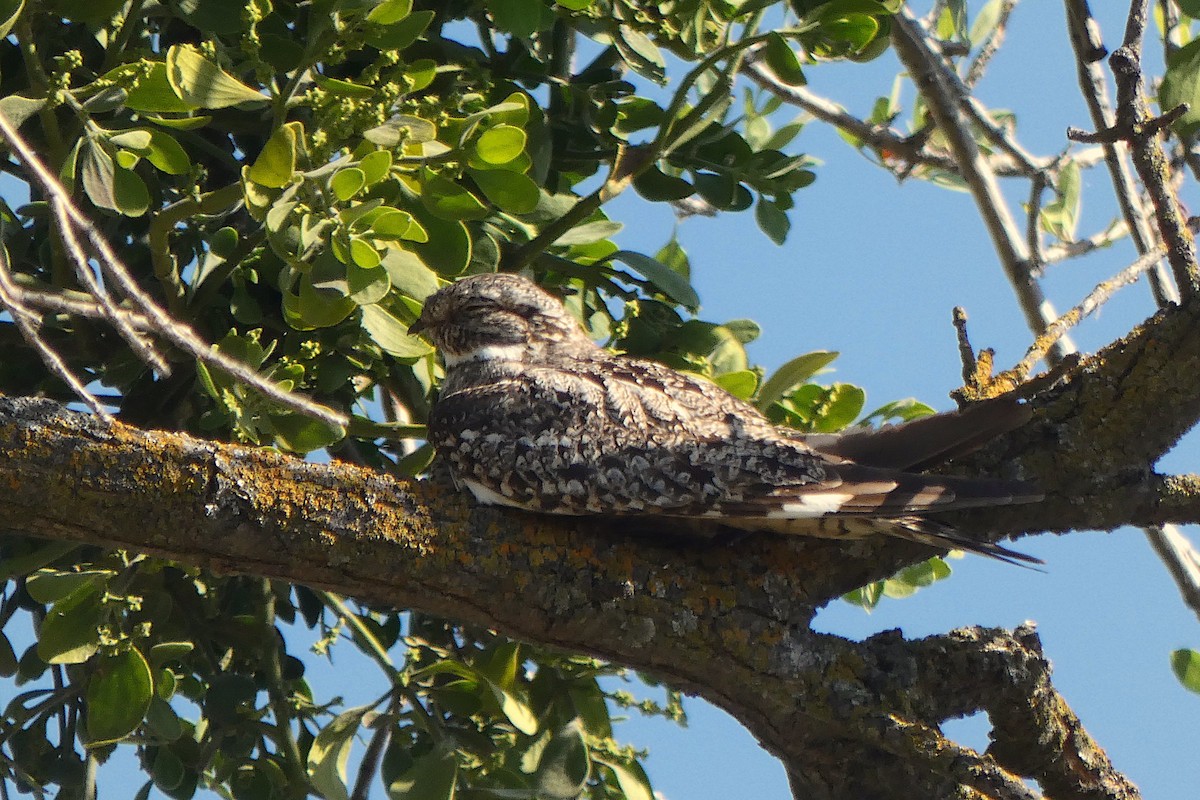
[(9, 11), (640, 53), (985, 21), (167, 154), (342, 88), (70, 633), (574, 5), (347, 182), (363, 255), (300, 434), (331, 750), (163, 721), (511, 191), (400, 35), (906, 582), (8, 657), (401, 128), (14, 565), (791, 375), (668, 281), (392, 224), (130, 192), (118, 696), (375, 166), (51, 585), (389, 12), (1185, 663), (631, 779), (163, 652), (565, 765), (447, 249), (500, 144), (409, 276), (772, 221), (521, 18), (16, 109), (433, 776), (203, 84), (98, 172), (313, 308), (842, 404), (277, 161), (589, 232), (782, 60), (367, 285), (450, 201), (1061, 217), (740, 384), (900, 410), (657, 186), (1181, 84), (153, 91), (391, 334)]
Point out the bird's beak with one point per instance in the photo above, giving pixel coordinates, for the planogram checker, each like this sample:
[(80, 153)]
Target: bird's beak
[(418, 326)]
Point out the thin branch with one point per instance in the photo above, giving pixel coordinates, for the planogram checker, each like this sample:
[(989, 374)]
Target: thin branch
[(1136, 125), (28, 322), (929, 72), (991, 45), (66, 233), (1095, 298)]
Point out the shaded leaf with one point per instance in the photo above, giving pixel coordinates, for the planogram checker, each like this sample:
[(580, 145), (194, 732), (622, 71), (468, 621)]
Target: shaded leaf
[(668, 281), (433, 776), (70, 632), (565, 765), (118, 696), (331, 750)]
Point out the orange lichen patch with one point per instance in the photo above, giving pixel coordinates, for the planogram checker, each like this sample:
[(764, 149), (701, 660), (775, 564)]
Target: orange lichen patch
[(735, 638), (770, 636)]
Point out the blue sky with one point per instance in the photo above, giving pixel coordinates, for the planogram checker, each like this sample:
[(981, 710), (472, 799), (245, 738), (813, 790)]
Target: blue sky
[(872, 269)]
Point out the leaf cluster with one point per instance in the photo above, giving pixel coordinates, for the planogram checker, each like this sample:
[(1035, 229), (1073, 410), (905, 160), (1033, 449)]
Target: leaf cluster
[(291, 181)]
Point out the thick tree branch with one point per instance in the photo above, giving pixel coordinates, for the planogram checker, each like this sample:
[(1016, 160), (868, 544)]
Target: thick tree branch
[(733, 629)]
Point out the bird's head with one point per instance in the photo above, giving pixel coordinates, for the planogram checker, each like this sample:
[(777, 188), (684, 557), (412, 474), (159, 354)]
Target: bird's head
[(498, 317)]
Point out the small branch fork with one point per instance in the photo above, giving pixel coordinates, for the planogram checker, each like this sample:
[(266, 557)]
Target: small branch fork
[(136, 319)]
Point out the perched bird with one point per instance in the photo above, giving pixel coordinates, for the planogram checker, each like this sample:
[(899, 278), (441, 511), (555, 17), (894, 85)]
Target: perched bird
[(534, 415)]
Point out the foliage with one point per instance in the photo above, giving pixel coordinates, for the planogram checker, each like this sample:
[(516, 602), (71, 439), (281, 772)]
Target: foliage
[(292, 180)]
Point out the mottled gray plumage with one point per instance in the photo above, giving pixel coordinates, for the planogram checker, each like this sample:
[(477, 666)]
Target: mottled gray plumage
[(533, 414)]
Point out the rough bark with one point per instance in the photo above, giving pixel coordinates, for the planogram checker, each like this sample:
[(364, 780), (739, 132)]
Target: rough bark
[(727, 621)]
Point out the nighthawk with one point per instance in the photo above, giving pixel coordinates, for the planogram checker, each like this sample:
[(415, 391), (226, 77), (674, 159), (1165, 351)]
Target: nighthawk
[(534, 415)]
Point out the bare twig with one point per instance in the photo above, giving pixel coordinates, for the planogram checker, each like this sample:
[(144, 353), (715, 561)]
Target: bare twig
[(141, 346), (1096, 298), (27, 322), (990, 46)]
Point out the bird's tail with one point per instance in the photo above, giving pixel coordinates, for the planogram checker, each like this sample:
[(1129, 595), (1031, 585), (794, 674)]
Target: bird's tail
[(943, 536)]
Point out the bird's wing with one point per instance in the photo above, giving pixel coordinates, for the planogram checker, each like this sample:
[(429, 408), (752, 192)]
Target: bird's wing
[(928, 441), (637, 438)]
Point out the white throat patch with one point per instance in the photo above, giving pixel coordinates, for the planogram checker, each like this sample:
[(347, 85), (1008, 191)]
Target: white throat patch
[(491, 352)]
